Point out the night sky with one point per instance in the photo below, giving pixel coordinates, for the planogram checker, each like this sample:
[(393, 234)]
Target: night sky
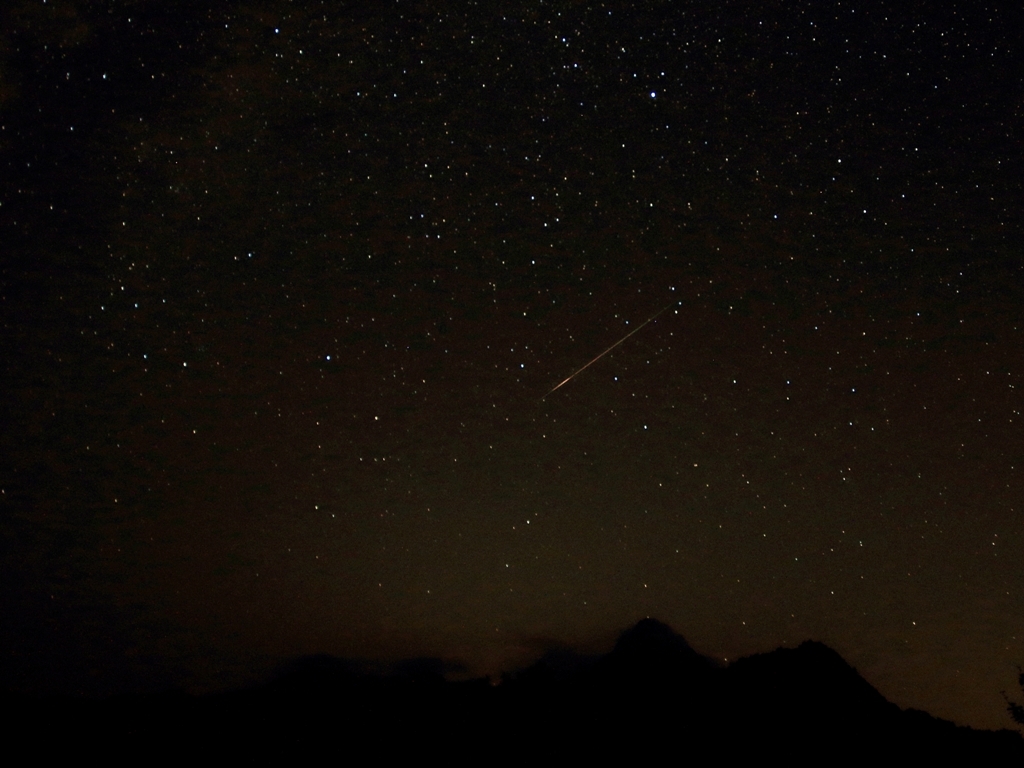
[(284, 286)]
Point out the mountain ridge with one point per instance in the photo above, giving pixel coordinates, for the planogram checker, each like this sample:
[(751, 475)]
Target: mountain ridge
[(650, 693)]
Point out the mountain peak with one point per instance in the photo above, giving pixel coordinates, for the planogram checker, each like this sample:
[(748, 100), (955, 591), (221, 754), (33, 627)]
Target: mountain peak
[(652, 636), (654, 652)]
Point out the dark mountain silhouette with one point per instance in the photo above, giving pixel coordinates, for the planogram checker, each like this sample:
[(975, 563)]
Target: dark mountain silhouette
[(653, 650), (651, 697), (811, 682), (648, 654), (1015, 710)]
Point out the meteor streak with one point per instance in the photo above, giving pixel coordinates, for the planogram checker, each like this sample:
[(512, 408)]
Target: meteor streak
[(613, 346)]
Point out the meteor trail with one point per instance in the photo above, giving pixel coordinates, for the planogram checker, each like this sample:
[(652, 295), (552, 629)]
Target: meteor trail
[(613, 346)]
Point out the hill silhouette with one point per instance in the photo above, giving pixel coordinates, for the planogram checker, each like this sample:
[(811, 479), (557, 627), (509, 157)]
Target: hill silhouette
[(652, 696)]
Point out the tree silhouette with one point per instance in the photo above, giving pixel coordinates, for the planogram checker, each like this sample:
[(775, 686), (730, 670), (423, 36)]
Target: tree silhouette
[(1016, 710)]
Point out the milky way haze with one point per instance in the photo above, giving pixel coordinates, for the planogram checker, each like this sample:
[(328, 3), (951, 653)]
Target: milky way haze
[(285, 286)]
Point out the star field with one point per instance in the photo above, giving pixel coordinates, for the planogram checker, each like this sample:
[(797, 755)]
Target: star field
[(286, 284)]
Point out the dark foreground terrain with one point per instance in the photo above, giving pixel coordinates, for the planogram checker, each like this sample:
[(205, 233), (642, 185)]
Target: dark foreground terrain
[(652, 697)]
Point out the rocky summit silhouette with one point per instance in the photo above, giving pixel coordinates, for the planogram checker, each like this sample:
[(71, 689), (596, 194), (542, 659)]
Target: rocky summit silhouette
[(653, 690), (653, 696), (653, 650), (811, 684)]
